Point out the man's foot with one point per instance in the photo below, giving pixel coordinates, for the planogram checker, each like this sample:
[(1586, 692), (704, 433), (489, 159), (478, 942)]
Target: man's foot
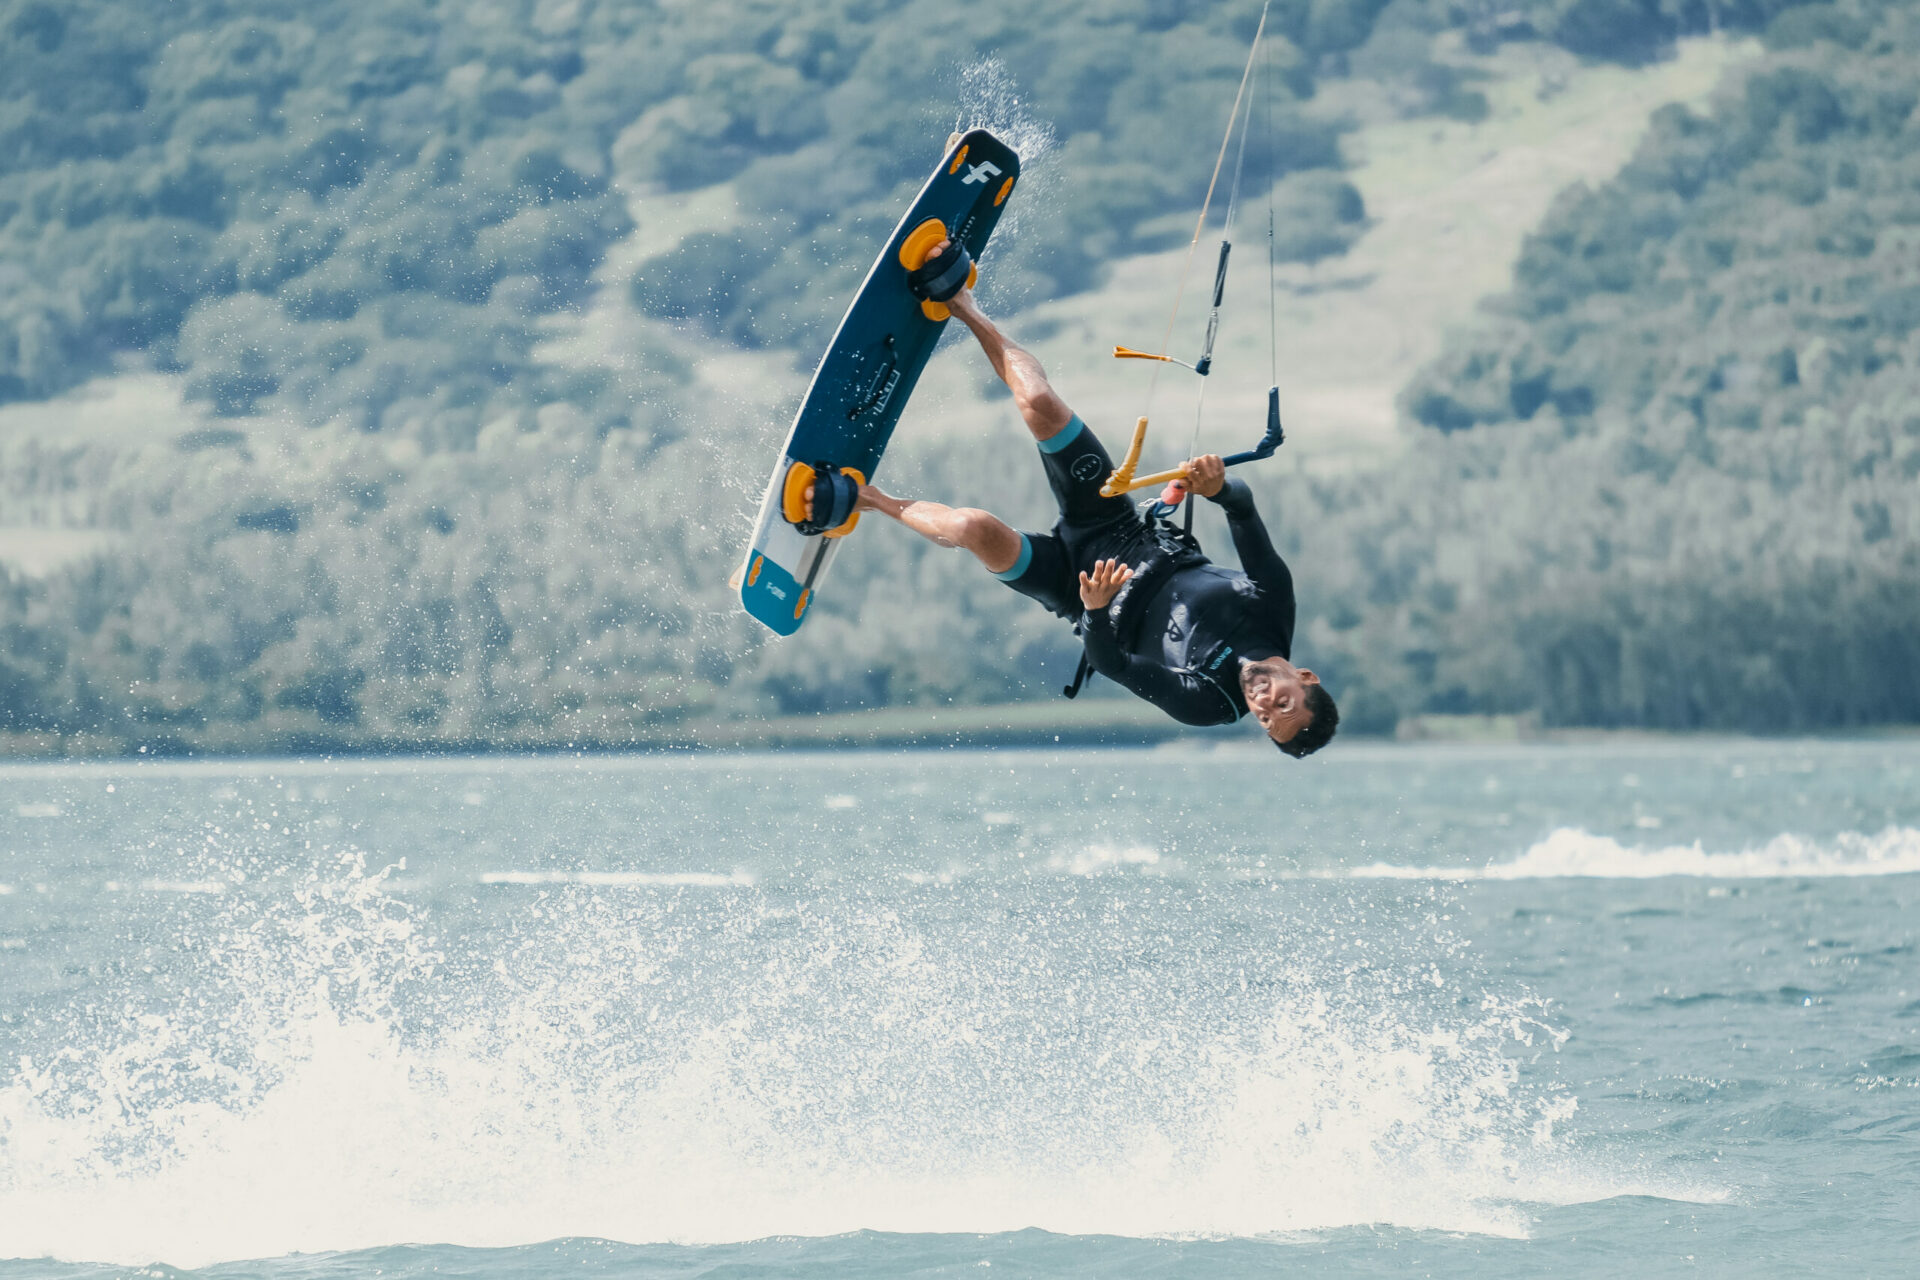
[(863, 503), (962, 304)]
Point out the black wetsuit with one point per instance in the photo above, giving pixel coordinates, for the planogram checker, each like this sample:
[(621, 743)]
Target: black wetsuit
[(1176, 633)]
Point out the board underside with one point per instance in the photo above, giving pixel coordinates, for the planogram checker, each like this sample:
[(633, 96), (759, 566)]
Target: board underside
[(862, 385)]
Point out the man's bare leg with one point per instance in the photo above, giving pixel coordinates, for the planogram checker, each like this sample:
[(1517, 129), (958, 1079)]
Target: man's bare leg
[(993, 542), (1044, 412)]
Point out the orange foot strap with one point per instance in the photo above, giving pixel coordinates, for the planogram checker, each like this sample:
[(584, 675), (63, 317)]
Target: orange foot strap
[(793, 496)]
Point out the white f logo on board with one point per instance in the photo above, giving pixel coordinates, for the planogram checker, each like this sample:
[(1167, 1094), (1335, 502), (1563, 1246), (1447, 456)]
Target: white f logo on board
[(981, 172)]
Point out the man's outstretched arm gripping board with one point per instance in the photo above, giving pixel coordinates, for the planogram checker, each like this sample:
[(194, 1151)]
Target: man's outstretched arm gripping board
[(869, 370)]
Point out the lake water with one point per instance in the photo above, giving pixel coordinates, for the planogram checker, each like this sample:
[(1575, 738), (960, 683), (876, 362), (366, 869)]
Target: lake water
[(1633, 1008)]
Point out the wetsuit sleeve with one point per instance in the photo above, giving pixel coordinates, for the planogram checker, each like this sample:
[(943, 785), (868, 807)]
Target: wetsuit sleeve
[(1258, 559), (1187, 697)]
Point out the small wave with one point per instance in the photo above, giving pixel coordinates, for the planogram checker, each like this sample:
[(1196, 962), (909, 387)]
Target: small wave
[(617, 879), (5, 889), (1570, 852), (171, 886), (37, 811), (1101, 858)]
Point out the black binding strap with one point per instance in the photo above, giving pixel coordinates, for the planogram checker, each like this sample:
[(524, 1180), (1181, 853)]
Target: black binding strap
[(943, 275), (834, 497)]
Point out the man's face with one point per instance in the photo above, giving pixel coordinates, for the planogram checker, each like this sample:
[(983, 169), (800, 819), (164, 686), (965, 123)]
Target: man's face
[(1277, 695)]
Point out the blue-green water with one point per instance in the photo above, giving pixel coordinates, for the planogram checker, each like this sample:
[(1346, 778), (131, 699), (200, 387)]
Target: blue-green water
[(1637, 1009)]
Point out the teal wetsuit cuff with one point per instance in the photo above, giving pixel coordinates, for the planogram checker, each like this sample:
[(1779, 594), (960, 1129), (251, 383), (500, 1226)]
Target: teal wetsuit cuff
[(1020, 565), (1068, 434)]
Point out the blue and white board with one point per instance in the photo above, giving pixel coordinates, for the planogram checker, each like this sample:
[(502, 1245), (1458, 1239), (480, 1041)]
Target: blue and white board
[(869, 370)]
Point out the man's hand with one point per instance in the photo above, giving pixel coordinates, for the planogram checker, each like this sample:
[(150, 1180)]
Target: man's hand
[(1098, 589), (1206, 475)]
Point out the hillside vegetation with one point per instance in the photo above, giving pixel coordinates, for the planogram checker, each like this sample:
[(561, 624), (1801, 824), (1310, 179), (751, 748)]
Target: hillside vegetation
[(1672, 480), (347, 227)]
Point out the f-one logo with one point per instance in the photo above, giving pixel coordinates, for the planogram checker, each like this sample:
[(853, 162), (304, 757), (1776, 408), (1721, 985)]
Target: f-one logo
[(1086, 466), (981, 172)]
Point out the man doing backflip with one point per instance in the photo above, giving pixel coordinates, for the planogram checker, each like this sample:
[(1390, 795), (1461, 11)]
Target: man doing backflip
[(1205, 644)]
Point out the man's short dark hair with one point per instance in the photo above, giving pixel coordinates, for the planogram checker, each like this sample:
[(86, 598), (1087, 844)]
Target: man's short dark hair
[(1317, 732)]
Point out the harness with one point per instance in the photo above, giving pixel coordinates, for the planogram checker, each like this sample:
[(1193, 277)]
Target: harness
[(1174, 549)]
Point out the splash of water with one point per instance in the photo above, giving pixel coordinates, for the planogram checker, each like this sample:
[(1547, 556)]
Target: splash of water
[(336, 1067), (990, 98)]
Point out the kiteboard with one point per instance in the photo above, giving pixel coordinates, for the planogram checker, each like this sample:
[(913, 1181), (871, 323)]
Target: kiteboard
[(863, 383)]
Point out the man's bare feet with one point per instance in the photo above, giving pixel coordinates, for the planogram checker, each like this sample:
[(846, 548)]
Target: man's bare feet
[(961, 303), (863, 503)]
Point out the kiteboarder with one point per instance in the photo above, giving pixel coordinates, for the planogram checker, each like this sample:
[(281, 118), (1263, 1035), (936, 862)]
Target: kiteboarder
[(1205, 644)]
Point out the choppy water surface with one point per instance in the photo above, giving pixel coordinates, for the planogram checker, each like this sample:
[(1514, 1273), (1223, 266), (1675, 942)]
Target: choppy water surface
[(1447, 1011)]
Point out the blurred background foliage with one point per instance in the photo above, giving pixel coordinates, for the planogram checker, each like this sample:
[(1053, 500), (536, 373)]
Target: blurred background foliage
[(1667, 481)]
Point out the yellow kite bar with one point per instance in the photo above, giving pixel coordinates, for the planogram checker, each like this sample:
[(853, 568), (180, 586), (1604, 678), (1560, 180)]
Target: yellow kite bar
[(1144, 482), (1121, 481), (1124, 481)]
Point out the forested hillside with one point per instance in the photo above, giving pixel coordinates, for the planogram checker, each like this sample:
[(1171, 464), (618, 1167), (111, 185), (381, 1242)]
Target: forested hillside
[(348, 227), (354, 209), (1679, 487), (339, 206)]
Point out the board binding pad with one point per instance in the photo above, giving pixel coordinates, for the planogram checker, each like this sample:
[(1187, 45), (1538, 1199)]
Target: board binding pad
[(870, 368)]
